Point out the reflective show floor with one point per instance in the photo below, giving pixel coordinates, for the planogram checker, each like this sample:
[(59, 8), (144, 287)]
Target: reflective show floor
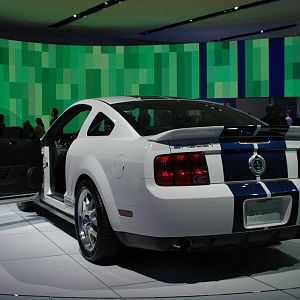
[(39, 259)]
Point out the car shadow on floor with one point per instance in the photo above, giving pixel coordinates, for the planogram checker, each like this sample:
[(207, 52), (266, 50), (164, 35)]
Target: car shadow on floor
[(217, 265), (179, 267), (64, 225)]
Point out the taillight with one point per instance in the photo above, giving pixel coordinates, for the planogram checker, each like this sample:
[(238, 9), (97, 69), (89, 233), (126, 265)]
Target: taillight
[(181, 169)]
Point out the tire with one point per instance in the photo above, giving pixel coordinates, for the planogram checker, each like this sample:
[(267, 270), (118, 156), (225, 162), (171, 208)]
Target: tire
[(26, 206), (97, 241)]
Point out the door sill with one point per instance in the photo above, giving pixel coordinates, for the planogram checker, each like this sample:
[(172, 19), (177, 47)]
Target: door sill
[(56, 196), (56, 211)]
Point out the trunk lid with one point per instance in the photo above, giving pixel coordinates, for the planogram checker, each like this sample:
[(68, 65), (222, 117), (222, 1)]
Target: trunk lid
[(241, 153)]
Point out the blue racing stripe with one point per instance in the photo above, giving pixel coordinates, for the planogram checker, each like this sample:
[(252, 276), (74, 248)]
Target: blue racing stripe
[(286, 187), (241, 192), (236, 146), (273, 144), (235, 158), (274, 155)]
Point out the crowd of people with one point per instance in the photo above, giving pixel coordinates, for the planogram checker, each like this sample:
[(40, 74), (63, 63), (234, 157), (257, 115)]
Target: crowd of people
[(28, 130), (32, 132), (274, 117)]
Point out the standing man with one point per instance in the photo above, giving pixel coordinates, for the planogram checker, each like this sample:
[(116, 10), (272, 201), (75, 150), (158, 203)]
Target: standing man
[(54, 115), (288, 120), (2, 125)]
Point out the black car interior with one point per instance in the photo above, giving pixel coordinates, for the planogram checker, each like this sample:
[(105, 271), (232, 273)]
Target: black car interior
[(21, 161), (59, 139)]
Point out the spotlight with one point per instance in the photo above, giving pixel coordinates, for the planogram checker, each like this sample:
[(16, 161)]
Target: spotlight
[(75, 16), (262, 31), (191, 20), (236, 8), (105, 2)]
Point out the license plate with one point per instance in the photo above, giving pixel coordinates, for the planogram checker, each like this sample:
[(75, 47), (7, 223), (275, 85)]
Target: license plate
[(266, 211)]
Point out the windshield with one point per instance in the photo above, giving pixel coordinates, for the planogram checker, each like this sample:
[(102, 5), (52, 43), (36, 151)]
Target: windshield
[(149, 117)]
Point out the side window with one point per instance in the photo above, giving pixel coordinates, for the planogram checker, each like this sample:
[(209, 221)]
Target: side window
[(74, 125), (101, 126)]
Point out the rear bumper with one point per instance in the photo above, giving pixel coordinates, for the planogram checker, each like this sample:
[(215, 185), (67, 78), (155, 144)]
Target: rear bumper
[(197, 243), (211, 210)]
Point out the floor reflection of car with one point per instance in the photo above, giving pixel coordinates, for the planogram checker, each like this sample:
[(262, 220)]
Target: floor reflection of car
[(159, 174)]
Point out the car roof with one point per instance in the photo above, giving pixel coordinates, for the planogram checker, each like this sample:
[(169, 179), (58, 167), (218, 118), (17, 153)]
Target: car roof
[(122, 99)]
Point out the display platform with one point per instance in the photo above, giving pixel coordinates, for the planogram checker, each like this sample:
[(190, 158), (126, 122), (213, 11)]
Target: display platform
[(40, 259)]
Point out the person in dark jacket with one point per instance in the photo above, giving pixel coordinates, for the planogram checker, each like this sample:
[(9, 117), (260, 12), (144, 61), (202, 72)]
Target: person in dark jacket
[(39, 129), (2, 124), (28, 130), (53, 114), (272, 116)]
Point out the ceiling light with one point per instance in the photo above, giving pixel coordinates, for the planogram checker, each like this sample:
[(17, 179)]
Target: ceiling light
[(216, 14), (191, 20), (89, 11), (260, 31)]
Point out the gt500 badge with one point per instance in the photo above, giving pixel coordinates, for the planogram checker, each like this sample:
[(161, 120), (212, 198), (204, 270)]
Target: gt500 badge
[(192, 146)]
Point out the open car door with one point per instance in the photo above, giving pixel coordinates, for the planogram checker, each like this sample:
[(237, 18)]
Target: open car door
[(21, 166)]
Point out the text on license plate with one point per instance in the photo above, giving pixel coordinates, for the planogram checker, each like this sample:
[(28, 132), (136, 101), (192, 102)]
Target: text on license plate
[(266, 210)]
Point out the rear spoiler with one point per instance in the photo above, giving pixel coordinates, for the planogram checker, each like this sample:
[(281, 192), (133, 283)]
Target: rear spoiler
[(215, 133)]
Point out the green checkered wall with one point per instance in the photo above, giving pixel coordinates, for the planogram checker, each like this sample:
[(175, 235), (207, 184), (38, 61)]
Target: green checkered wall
[(292, 66), (257, 68), (222, 70), (35, 77)]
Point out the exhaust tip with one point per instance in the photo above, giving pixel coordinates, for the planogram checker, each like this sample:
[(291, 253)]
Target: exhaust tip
[(182, 244)]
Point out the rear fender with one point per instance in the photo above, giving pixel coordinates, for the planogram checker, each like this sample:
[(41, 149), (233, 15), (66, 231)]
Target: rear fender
[(90, 167)]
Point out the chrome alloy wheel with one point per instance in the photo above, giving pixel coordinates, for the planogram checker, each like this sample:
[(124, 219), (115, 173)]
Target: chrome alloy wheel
[(87, 220)]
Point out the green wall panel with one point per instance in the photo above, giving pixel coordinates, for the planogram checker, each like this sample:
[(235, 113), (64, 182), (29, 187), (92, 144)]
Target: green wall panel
[(257, 68), (222, 67), (35, 77), (292, 66)]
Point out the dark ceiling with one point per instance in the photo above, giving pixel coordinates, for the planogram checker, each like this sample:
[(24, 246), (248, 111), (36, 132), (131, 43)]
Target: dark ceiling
[(130, 21)]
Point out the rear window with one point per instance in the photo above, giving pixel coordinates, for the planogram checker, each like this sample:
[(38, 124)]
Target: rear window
[(150, 117)]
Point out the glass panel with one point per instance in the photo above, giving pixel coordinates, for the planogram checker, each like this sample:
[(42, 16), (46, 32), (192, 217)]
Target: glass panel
[(75, 124), (149, 117), (101, 126)]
